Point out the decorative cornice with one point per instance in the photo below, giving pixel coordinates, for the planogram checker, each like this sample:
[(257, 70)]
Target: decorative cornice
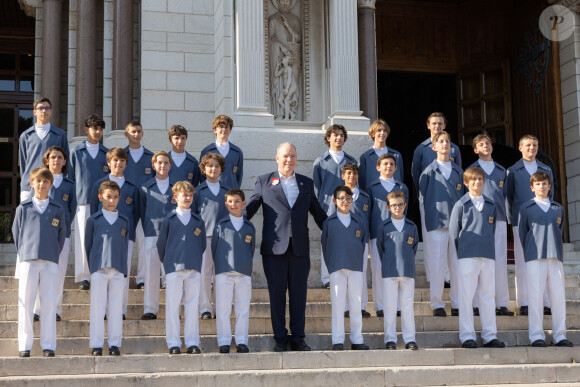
[(370, 4), (574, 5)]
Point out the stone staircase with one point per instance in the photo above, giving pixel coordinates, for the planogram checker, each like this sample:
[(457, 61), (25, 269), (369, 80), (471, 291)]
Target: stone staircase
[(144, 360)]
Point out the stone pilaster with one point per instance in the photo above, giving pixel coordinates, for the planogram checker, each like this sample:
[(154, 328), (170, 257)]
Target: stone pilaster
[(367, 58), (122, 63), (51, 43)]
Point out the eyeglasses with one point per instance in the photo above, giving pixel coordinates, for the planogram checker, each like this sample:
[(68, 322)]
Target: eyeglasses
[(344, 199), (43, 108), (397, 206)]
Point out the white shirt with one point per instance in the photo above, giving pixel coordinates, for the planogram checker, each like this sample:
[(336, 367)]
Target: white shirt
[(93, 149), (178, 158), (531, 166), (336, 156), (344, 218), (119, 180), (223, 148), (398, 223), (111, 216), (477, 202), (381, 151), (544, 204), (487, 166), (445, 168), (57, 180), (136, 153), (163, 185), (183, 215), (355, 193), (237, 221), (213, 187), (42, 130), (388, 184), (290, 188), (40, 205)]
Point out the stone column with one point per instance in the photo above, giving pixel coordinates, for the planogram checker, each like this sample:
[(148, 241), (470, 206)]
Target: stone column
[(122, 64), (51, 43), (251, 108), (344, 78), (86, 64), (367, 58)]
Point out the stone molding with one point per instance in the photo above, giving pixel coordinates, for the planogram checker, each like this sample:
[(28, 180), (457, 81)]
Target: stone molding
[(370, 4), (574, 5)]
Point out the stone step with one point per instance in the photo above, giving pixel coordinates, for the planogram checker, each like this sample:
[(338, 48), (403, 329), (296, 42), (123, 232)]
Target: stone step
[(259, 343), (313, 309), (266, 361), (262, 325)]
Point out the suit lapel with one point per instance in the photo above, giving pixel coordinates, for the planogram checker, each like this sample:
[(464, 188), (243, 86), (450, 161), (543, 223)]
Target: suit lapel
[(300, 183), (277, 189)]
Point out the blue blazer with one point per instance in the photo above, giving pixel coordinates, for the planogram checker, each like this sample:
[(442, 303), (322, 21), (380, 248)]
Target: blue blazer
[(326, 177), (280, 219), (187, 171), (232, 175), (379, 211), (106, 244), (210, 207), (495, 188), (154, 206), (141, 171), (541, 232), (343, 247), (424, 156), (233, 250), (85, 171), (361, 208), (367, 170), (397, 249)]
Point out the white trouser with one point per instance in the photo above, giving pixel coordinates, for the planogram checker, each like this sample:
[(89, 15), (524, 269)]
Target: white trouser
[(140, 241), (520, 264), (502, 295), (440, 252), (424, 233), (182, 284), (126, 289), (346, 284), (106, 299), (324, 275), (544, 274), (152, 272), (365, 287), (37, 276), (377, 276), (62, 266), (476, 279), (206, 299), (236, 287), (82, 271), (399, 290)]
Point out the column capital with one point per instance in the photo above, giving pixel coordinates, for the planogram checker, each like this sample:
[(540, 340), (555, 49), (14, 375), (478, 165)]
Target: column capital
[(370, 4)]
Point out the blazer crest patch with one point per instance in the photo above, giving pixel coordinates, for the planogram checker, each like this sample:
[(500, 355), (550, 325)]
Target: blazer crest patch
[(65, 198), (365, 207), (190, 176), (248, 238), (501, 184), (235, 169), (559, 220), (105, 168), (357, 234), (123, 232), (147, 171), (410, 240), (197, 231), (129, 200), (458, 187), (490, 220), (56, 221)]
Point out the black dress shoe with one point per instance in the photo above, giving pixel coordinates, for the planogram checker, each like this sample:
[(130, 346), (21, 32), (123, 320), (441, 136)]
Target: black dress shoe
[(439, 312), (547, 311), (495, 343), (365, 314), (412, 346), (36, 317), (398, 313), (337, 347), (224, 349), (347, 314), (194, 349), (84, 285), (359, 347), (48, 352), (469, 344), (97, 352), (523, 310), (149, 316), (114, 351), (124, 317), (174, 351), (380, 313), (454, 312), (206, 316), (58, 317), (140, 285), (564, 343), (326, 285), (391, 345), (281, 345), (242, 348), (24, 354), (300, 345), (503, 311), (539, 343), (447, 285), (476, 311)]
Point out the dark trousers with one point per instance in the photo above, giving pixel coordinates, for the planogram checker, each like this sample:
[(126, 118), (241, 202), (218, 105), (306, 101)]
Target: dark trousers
[(287, 272)]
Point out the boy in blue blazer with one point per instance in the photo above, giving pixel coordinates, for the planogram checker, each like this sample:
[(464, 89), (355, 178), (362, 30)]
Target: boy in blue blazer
[(184, 167), (440, 187), (540, 229), (472, 231), (397, 241), (343, 238), (39, 231), (88, 163), (106, 244), (233, 244), (181, 244)]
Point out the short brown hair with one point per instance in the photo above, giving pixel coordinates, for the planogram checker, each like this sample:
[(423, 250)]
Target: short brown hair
[(480, 137), (109, 184), (222, 119), (234, 192), (55, 148), (376, 125), (539, 176), (438, 135), (133, 123), (395, 195), (349, 167), (211, 156), (177, 130), (528, 137), (161, 153), (334, 129), (384, 157), (117, 152), (41, 172), (341, 188), (182, 186), (40, 100), (472, 173), (436, 114), (94, 121)]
